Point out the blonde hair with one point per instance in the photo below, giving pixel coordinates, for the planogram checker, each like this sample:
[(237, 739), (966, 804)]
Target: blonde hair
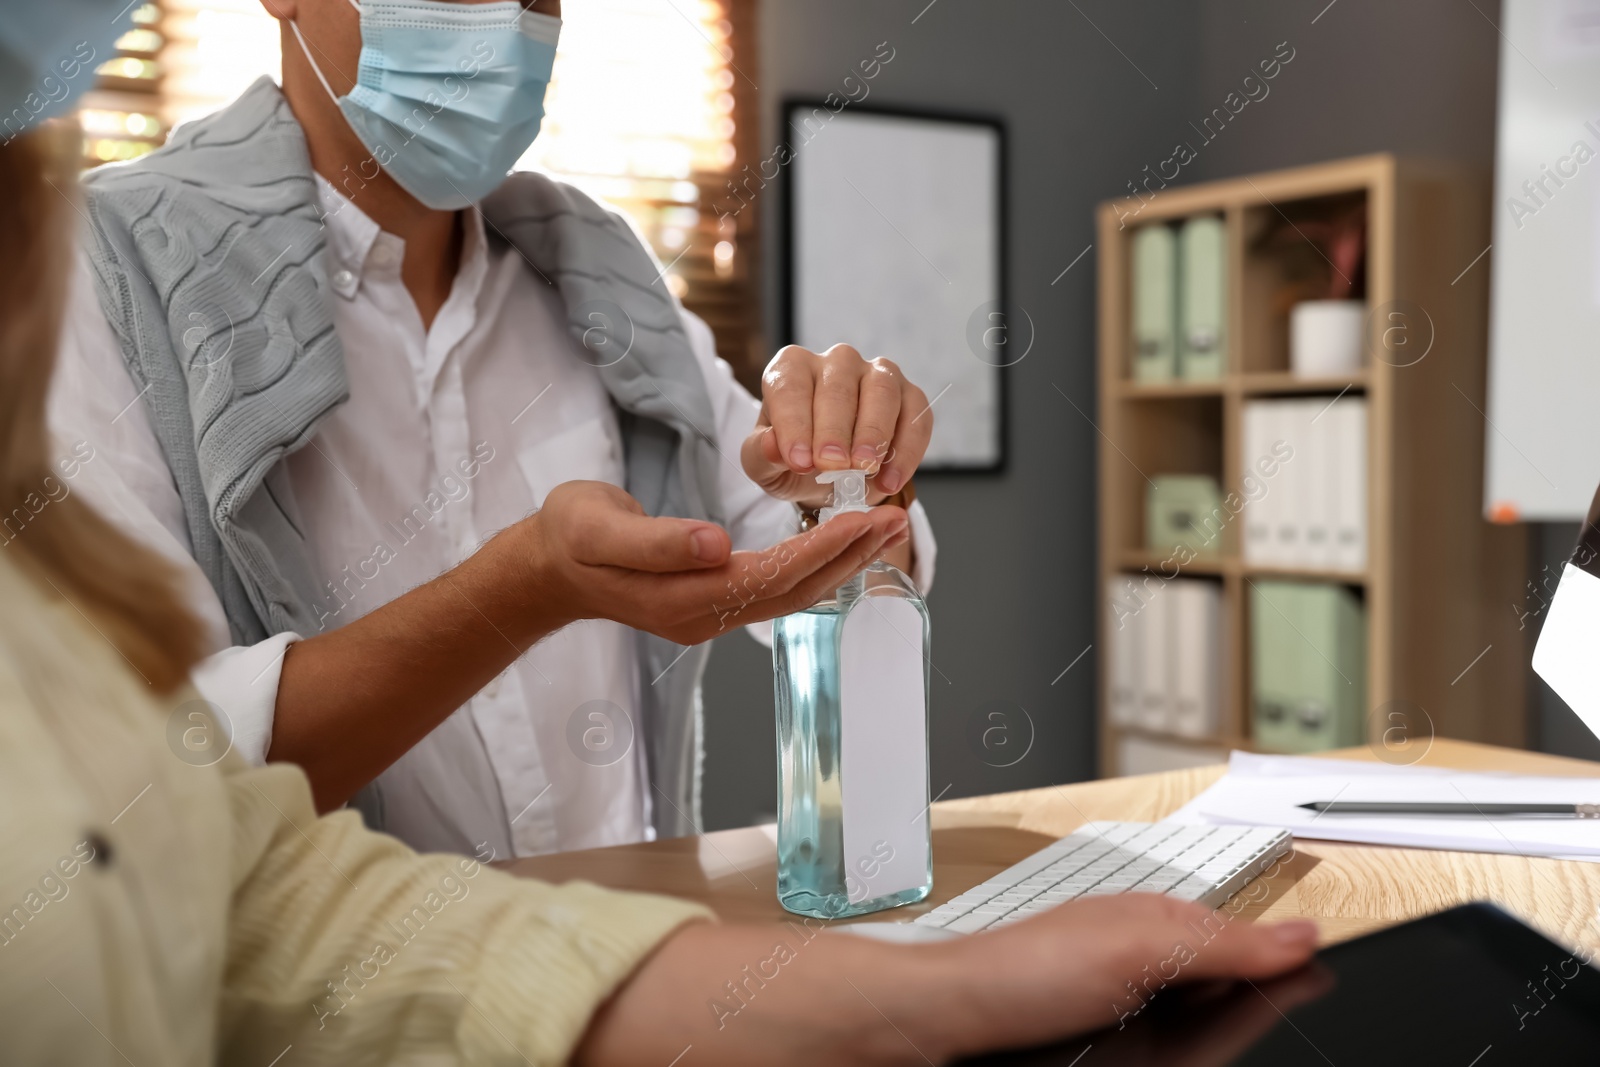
[(126, 591)]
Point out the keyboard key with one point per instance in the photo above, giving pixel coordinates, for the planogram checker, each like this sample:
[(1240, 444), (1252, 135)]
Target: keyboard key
[(1113, 831), (993, 909), (1163, 880), (1059, 896), (943, 914)]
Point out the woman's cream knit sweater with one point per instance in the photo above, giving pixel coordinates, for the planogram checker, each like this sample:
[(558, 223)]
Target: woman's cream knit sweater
[(158, 913)]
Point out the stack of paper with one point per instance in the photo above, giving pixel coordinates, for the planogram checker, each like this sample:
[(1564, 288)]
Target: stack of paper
[(1268, 791), (1306, 476)]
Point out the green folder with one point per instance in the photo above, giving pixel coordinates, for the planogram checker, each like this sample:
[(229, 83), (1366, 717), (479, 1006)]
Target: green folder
[(1202, 298), (1155, 311), (1308, 669), (1272, 682)]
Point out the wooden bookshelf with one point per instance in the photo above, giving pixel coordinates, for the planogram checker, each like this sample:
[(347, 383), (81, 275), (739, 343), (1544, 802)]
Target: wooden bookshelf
[(1441, 583)]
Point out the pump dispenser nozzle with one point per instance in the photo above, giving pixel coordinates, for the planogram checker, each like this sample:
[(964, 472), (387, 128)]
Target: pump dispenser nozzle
[(849, 492)]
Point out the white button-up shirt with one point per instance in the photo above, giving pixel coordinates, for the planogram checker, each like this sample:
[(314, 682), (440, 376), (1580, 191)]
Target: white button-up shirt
[(451, 433)]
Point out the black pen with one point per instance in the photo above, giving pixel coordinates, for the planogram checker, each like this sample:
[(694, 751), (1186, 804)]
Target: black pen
[(1382, 807)]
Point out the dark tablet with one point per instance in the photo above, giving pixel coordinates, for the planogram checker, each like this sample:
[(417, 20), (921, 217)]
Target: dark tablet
[(1469, 987)]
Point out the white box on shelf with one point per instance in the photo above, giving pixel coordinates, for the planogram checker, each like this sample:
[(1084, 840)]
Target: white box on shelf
[(1325, 337)]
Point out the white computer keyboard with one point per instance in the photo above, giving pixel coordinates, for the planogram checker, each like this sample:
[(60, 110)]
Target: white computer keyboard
[(1207, 864)]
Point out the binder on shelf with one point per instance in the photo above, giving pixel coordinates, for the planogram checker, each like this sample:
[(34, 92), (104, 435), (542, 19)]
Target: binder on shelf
[(1124, 657), (1329, 713), (1350, 510), (1202, 298), (1321, 493), (1155, 269), (1155, 658), (1196, 650), (1308, 666), (1288, 531), (1258, 511), (1271, 683)]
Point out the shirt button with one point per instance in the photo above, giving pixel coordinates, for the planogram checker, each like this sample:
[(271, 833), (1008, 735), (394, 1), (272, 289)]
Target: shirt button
[(343, 279)]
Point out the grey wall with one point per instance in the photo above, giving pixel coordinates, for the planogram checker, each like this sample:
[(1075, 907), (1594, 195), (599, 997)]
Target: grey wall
[(1091, 92), (1406, 76)]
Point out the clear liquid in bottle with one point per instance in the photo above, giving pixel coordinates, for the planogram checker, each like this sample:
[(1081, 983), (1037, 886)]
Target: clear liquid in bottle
[(851, 685)]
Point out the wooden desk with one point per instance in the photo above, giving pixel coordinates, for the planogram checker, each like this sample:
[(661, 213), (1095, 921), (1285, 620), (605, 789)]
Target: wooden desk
[(1347, 889)]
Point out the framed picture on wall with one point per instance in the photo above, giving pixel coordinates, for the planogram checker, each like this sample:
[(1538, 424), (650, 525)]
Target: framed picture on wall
[(894, 242)]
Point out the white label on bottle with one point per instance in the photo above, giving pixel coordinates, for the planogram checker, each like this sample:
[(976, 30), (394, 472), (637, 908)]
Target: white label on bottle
[(883, 749)]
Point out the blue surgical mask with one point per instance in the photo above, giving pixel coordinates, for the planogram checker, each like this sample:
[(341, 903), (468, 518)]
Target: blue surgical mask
[(448, 95), (48, 55)]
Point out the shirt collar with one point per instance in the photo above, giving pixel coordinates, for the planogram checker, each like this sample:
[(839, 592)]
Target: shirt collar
[(358, 247)]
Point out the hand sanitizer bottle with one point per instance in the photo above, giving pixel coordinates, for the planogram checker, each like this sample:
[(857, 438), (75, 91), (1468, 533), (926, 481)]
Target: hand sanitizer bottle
[(852, 703)]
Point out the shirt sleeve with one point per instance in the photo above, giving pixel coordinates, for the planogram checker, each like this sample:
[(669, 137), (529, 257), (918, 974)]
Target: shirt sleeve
[(756, 520), (349, 946), (109, 451), (243, 682)]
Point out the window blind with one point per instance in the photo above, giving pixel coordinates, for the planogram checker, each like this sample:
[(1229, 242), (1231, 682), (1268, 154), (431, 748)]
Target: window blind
[(651, 103), (121, 116)]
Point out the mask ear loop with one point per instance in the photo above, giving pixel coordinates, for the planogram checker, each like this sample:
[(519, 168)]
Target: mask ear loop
[(294, 24)]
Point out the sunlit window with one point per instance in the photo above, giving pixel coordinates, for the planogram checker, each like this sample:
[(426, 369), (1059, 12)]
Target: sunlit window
[(646, 111), (640, 111), (215, 49), (121, 117)]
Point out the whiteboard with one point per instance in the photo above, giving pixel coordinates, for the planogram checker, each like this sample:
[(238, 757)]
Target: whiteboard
[(895, 248), (1543, 457)]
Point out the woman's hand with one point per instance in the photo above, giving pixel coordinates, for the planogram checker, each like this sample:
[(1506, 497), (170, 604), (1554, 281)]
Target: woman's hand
[(1095, 962), (835, 411), (800, 993)]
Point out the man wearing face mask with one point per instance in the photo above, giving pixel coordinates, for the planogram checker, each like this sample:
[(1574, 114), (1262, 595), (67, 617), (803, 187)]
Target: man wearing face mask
[(330, 358)]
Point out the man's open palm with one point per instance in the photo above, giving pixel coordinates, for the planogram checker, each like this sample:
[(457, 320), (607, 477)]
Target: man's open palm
[(602, 557)]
